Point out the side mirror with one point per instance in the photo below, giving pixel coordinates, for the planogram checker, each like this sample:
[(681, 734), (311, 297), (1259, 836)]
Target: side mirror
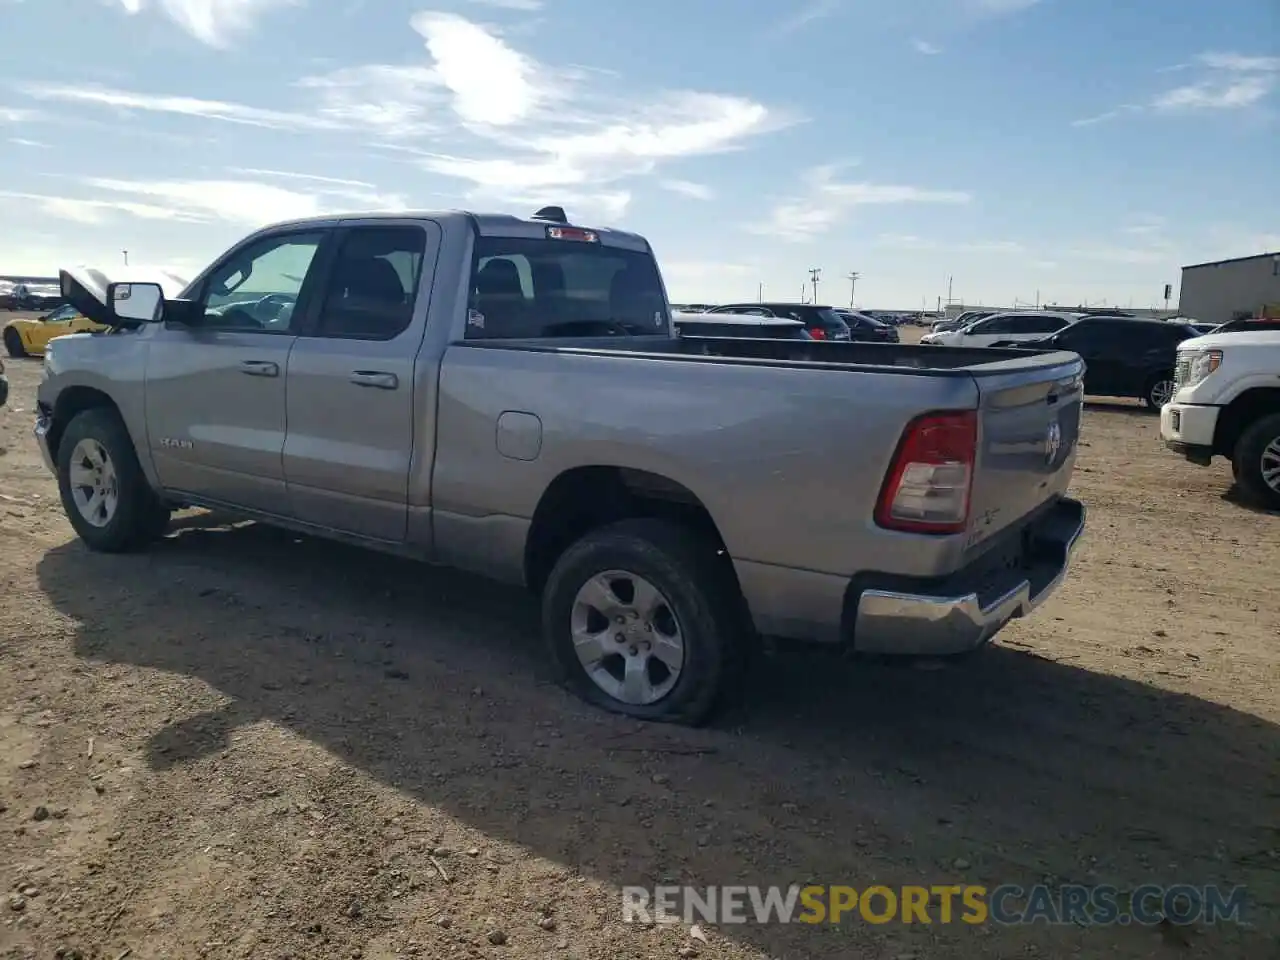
[(136, 302)]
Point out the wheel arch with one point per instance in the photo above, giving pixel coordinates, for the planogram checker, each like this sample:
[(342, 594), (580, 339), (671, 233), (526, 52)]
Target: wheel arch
[(585, 498), (1239, 413), (70, 402)]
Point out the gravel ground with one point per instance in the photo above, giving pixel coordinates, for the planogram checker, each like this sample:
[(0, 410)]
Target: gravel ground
[(248, 744)]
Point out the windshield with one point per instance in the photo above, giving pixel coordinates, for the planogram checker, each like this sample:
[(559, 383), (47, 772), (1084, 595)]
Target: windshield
[(563, 288), (66, 312)]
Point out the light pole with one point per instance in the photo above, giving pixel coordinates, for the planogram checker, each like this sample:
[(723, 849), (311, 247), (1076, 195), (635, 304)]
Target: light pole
[(126, 257), (813, 277), (852, 277)]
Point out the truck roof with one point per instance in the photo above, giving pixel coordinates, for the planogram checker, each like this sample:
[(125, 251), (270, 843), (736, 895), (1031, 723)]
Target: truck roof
[(488, 224)]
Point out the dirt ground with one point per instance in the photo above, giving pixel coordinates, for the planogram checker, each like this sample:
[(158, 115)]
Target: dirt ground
[(244, 744)]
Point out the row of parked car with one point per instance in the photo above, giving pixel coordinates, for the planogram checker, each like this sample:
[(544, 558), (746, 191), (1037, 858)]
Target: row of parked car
[(800, 321), (1126, 356)]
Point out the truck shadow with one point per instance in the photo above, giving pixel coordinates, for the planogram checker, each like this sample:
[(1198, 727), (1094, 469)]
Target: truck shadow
[(1010, 768)]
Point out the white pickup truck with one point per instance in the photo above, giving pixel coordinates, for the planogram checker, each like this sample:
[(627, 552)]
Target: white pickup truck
[(1227, 403)]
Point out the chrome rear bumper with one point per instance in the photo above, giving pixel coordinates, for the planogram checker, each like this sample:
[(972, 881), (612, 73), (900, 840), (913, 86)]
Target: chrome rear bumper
[(964, 611)]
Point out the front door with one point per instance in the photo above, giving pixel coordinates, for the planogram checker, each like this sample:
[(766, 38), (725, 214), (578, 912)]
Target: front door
[(354, 414), (215, 395)]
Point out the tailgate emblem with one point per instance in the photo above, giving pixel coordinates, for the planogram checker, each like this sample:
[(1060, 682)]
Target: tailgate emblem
[(1052, 442)]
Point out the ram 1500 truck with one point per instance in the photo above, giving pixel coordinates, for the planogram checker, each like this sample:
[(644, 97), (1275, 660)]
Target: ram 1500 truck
[(1226, 403), (507, 396)]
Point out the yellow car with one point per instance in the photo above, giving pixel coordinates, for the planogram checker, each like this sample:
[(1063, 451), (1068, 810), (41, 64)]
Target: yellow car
[(28, 337)]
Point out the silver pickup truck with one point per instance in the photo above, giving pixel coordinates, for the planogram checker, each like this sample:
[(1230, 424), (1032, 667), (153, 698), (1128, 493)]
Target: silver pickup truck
[(507, 396)]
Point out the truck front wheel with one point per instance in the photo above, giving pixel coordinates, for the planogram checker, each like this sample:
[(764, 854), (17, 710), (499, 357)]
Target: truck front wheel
[(104, 492), (1256, 461), (642, 618)]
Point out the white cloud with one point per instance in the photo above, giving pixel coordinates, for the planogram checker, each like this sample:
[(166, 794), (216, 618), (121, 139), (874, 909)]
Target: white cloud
[(907, 241), (183, 106), (528, 6), (491, 83), (308, 177), (999, 7), (827, 201), (1239, 62), (24, 142), (1106, 115), (1227, 81), (687, 188), (1112, 253), (16, 115), (1216, 94), (247, 203), (520, 130), (399, 102), (925, 47), (815, 10), (212, 22), (88, 211)]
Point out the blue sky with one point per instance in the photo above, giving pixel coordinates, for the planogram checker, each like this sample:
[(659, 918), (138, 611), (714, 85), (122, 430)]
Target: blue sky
[(1079, 148)]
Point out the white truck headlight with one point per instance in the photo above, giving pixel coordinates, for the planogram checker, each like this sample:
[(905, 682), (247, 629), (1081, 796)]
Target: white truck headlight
[(1194, 367)]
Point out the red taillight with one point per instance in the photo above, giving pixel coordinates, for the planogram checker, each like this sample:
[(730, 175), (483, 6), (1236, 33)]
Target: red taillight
[(930, 480), (818, 333)]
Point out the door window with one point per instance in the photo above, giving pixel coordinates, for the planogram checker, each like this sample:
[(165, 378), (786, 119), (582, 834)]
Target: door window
[(994, 325), (373, 283), (258, 287), (1079, 336), (1039, 323)]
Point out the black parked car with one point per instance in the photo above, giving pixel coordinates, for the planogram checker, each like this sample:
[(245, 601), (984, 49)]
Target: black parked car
[(868, 329), (823, 323), (1123, 357)]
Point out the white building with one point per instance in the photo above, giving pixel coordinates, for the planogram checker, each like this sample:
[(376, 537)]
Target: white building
[(1226, 290)]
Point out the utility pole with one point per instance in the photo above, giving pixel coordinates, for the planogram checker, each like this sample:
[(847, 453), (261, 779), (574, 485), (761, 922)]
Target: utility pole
[(852, 276), (949, 279), (813, 277), (760, 292), (126, 257)]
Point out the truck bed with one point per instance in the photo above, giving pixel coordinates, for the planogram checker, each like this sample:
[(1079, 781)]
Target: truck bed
[(900, 358)]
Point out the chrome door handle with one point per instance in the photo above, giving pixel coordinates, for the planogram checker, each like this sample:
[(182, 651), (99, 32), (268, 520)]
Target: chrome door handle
[(260, 368), (375, 378)]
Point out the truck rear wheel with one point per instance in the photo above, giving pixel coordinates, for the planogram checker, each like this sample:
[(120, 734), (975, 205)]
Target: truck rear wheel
[(1255, 461), (104, 492), (13, 343), (642, 618)]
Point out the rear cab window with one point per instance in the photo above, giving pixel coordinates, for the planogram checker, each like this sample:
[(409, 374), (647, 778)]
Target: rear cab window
[(535, 288)]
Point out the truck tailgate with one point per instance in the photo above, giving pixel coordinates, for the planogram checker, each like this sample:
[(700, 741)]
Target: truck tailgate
[(1029, 425)]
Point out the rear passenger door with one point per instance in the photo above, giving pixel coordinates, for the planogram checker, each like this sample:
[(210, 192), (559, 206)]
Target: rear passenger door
[(353, 425), (986, 332), (1095, 341)]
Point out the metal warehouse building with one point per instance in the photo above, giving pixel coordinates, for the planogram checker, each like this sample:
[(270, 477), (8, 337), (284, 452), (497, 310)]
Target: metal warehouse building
[(1229, 289)]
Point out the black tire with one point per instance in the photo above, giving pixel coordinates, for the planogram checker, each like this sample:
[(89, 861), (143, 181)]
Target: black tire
[(702, 595), (1149, 389), (13, 343), (1246, 460), (140, 516)]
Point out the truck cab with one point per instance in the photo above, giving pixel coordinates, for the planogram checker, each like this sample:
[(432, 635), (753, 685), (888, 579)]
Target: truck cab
[(1227, 404)]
